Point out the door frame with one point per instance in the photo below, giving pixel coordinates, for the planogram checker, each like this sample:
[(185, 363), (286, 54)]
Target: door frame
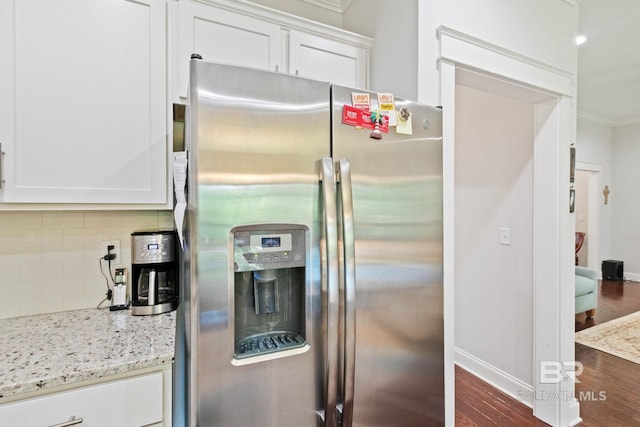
[(593, 228), (551, 91)]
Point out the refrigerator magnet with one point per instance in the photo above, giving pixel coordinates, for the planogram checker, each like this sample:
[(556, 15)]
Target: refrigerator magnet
[(361, 100), (388, 107), (404, 125)]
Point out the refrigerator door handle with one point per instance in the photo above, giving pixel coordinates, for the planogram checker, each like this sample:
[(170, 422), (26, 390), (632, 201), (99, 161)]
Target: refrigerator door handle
[(333, 292), (349, 269)]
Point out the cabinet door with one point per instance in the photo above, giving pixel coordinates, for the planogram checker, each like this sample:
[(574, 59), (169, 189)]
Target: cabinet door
[(227, 37), (125, 403), (327, 60), (83, 104)]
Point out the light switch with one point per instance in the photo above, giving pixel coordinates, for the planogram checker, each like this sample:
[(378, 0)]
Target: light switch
[(505, 235)]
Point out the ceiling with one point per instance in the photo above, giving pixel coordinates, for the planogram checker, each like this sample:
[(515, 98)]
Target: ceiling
[(609, 62)]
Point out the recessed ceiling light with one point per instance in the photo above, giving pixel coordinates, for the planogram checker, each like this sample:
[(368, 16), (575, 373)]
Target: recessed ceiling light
[(581, 39)]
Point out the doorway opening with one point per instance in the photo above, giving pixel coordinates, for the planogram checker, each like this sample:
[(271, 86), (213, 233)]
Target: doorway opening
[(587, 185)]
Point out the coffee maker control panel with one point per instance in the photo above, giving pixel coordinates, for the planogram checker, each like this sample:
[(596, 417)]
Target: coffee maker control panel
[(152, 248)]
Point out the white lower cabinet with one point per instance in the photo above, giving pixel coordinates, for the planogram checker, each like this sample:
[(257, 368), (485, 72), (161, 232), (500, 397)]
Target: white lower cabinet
[(130, 402)]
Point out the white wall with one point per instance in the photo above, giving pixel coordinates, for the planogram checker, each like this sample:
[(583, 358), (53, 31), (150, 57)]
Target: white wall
[(494, 188), (394, 57), (594, 145), (625, 200)]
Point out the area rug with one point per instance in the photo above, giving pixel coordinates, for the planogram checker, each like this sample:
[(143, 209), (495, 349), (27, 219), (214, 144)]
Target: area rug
[(620, 337)]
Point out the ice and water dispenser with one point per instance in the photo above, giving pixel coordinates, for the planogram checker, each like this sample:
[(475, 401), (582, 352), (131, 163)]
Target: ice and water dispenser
[(269, 291)]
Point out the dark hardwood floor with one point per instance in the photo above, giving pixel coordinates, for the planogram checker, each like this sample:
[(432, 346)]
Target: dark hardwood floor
[(609, 388), (480, 404)]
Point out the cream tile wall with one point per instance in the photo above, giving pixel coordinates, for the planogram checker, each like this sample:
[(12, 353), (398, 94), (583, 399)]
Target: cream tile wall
[(49, 260)]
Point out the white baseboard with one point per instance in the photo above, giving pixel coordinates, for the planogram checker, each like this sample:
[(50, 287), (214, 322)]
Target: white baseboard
[(635, 277), (499, 379), (510, 385)]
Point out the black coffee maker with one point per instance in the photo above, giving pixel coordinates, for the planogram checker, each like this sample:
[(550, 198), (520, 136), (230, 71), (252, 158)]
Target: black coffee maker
[(154, 261)]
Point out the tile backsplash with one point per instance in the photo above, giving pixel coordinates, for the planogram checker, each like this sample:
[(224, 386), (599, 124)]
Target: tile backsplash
[(50, 260)]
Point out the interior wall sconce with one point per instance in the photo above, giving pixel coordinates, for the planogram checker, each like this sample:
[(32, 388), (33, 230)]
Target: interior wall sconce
[(605, 192)]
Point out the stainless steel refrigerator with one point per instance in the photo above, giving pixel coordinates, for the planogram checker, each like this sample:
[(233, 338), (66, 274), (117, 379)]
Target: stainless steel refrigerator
[(313, 257)]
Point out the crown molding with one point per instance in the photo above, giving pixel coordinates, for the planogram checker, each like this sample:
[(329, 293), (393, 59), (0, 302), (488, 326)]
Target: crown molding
[(333, 5), (341, 5), (606, 121)]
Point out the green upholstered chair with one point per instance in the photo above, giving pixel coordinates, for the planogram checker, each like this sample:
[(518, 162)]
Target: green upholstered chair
[(586, 291)]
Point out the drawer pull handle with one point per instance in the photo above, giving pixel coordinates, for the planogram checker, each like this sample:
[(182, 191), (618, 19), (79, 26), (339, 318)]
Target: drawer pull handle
[(72, 422)]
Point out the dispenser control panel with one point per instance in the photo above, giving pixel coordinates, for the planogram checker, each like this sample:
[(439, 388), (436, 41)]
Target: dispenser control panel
[(269, 247), (270, 284)]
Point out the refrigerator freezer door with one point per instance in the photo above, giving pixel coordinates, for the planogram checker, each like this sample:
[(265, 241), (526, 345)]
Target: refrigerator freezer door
[(255, 144), (397, 215)]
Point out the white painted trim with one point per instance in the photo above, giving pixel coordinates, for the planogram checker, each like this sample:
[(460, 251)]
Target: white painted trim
[(499, 379), (586, 166), (593, 210), (448, 86), (465, 50), (606, 121), (291, 21), (553, 249), (596, 119), (333, 5), (572, 2), (553, 299), (593, 228), (634, 277)]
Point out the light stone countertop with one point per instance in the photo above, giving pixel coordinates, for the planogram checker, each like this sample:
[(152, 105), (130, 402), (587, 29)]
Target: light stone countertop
[(51, 350)]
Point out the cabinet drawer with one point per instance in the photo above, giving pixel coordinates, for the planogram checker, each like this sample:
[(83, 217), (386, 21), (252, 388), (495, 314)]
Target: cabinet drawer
[(131, 402)]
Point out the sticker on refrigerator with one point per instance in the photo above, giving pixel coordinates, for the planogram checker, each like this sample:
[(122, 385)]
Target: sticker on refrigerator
[(353, 116), (388, 107), (361, 100)]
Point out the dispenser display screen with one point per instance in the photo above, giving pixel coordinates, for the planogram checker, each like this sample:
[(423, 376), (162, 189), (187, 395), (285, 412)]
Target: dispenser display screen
[(271, 242), (153, 246)]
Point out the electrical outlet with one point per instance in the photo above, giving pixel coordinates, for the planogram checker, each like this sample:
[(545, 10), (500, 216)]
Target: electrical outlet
[(115, 250)]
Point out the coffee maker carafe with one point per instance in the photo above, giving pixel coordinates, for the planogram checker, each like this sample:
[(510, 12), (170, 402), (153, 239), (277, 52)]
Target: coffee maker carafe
[(154, 286)]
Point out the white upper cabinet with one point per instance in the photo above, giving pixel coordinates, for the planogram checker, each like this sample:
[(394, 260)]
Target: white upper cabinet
[(238, 33), (83, 101), (86, 85), (223, 36), (329, 60)]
